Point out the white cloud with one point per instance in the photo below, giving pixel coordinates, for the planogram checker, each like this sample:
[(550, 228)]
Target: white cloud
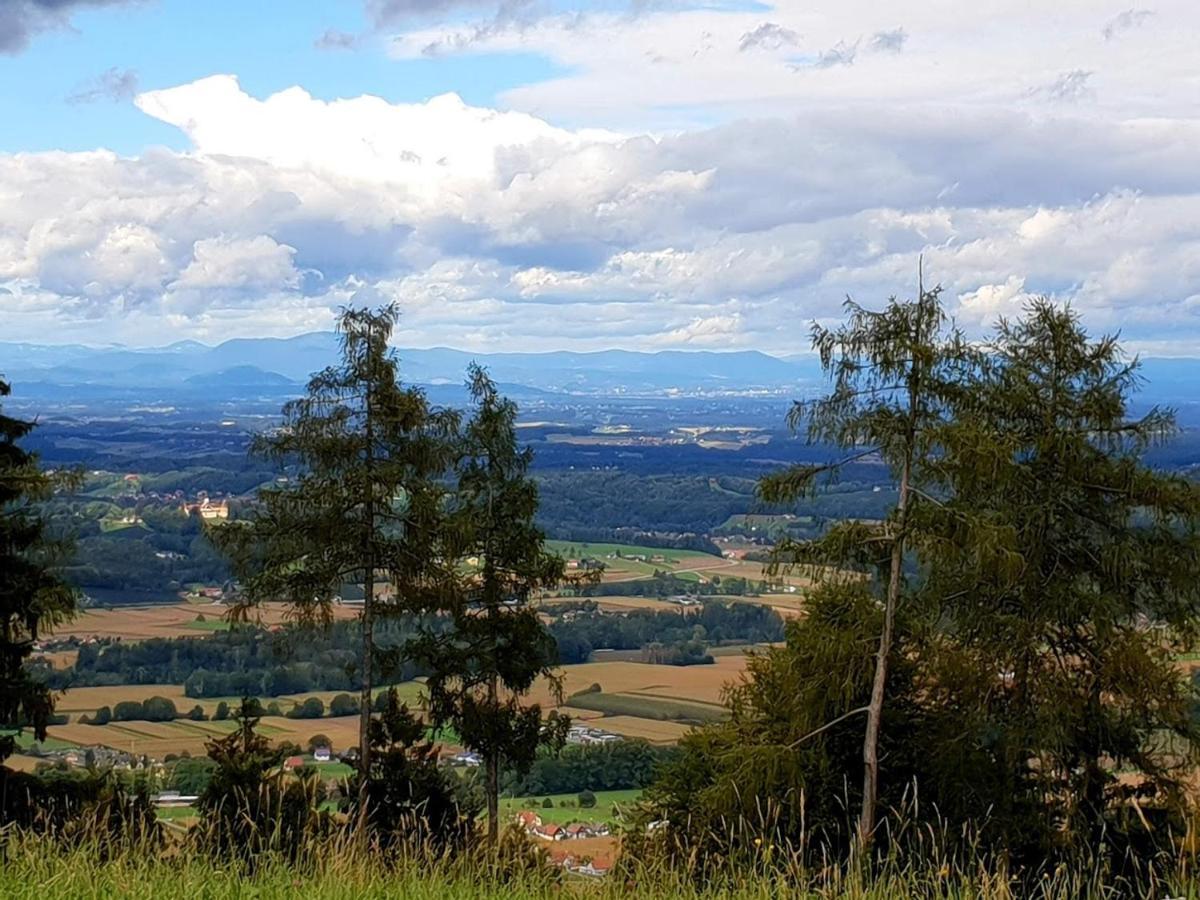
[(222, 264), (989, 302), (728, 202)]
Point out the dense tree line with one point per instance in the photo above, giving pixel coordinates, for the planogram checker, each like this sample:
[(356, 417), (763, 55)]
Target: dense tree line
[(241, 661), (586, 505), (714, 623), (591, 767), (247, 661)]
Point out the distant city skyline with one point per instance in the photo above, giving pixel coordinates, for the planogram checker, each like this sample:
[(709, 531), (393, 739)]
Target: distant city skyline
[(532, 175)]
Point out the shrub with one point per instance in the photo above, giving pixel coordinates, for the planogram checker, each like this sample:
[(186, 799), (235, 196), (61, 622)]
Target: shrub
[(343, 705), (312, 708), (587, 800)]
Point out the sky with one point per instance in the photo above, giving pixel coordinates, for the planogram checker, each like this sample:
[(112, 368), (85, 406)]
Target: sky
[(530, 175)]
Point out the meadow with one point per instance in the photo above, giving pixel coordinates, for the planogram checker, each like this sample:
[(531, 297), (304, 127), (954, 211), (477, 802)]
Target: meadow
[(566, 807)]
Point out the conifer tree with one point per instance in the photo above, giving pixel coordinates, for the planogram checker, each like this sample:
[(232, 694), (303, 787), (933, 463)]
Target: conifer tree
[(1064, 615), (892, 373), (363, 504), (32, 596), (498, 648)]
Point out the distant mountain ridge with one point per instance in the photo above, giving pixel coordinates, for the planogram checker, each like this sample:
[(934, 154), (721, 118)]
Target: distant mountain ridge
[(284, 362), (280, 366)]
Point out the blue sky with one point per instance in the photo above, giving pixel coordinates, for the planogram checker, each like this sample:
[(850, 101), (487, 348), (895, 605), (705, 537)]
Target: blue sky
[(526, 175), (269, 44)]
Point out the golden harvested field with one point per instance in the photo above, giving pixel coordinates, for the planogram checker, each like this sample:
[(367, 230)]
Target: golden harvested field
[(614, 604), (89, 699), (133, 623), (18, 762), (654, 731), (157, 739), (756, 571), (700, 683)]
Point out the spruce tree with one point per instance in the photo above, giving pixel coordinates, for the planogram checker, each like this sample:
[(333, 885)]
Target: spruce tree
[(498, 648), (363, 504), (892, 373), (32, 596)]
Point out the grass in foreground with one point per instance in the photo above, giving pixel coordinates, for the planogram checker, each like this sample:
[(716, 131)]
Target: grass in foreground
[(36, 868)]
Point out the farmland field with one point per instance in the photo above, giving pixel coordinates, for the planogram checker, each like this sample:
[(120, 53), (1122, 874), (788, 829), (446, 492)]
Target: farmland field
[(628, 562), (157, 739), (639, 700), (653, 730), (646, 705), (133, 623), (566, 807)]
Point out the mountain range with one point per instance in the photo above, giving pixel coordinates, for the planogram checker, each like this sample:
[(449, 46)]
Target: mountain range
[(283, 364), (272, 367)]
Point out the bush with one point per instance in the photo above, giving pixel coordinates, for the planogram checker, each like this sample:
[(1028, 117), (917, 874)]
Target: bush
[(222, 712), (343, 705), (587, 800), (312, 708), (160, 709), (547, 803), (196, 713)]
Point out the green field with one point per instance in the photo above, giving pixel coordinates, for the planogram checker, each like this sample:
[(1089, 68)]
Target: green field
[(659, 709), (210, 623), (578, 549), (26, 741), (566, 807)]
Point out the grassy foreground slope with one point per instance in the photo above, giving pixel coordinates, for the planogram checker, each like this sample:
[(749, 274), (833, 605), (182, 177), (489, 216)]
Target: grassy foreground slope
[(34, 869)]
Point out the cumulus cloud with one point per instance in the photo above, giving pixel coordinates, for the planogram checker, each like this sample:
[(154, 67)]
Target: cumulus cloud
[(989, 302), (238, 264), (20, 20), (704, 332), (113, 84), (517, 227)]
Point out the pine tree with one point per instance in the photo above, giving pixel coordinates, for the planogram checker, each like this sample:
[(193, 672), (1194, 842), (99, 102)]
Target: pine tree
[(498, 647), (32, 596), (892, 373), (1065, 613), (363, 505)]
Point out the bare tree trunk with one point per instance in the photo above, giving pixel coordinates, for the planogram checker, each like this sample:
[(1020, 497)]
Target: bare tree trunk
[(364, 713), (368, 619), (493, 779), (866, 819), (870, 798)]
